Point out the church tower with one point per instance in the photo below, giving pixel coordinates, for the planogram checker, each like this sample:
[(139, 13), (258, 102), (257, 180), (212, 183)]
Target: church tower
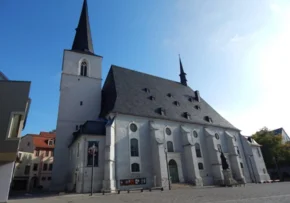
[(80, 95)]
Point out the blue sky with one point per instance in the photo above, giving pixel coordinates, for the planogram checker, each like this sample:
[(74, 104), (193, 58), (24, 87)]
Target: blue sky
[(236, 53)]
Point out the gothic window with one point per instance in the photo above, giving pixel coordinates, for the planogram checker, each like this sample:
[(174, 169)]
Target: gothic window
[(197, 150), (200, 166), (84, 68), (170, 146), (134, 147), (135, 167)]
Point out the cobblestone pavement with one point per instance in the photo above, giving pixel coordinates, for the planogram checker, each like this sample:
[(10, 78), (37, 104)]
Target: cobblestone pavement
[(252, 193)]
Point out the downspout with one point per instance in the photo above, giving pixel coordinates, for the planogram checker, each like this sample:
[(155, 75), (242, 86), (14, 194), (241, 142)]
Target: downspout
[(83, 167), (245, 156)]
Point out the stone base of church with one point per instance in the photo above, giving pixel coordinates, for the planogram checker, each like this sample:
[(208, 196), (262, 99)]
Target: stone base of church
[(228, 178), (109, 185), (198, 182)]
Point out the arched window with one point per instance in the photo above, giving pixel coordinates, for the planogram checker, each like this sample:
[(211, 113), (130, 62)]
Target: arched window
[(170, 146), (134, 147), (197, 150), (200, 166), (135, 167), (84, 69)]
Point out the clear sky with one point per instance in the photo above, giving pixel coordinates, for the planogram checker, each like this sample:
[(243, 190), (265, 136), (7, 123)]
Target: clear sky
[(235, 52)]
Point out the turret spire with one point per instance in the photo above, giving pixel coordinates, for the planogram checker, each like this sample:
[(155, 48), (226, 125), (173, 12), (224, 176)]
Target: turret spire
[(83, 39), (182, 74)]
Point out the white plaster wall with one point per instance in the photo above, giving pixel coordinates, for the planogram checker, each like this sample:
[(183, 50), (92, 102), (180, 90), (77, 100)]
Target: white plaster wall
[(146, 149), (73, 90), (6, 172)]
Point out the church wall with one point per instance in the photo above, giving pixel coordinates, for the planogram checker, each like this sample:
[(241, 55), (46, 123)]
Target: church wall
[(123, 149), (80, 100), (80, 172)]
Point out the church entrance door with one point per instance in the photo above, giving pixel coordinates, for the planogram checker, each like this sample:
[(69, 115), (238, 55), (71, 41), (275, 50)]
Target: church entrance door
[(173, 171)]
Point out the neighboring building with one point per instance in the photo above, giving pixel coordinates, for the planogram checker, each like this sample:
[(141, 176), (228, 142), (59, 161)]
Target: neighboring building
[(144, 128), (281, 132), (35, 162), (14, 106)]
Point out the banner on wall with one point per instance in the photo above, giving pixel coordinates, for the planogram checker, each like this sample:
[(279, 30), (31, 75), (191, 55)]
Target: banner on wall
[(135, 181)]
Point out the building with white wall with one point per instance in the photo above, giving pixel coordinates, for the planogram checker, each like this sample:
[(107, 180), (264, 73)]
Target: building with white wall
[(147, 130)]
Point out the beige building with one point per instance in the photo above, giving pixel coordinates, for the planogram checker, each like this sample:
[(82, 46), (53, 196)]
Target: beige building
[(34, 162)]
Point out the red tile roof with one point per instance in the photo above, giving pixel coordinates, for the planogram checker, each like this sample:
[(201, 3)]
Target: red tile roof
[(41, 140)]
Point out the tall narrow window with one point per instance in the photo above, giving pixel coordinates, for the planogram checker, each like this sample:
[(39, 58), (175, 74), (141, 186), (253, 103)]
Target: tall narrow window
[(14, 125), (27, 170), (135, 167), (170, 146), (238, 151), (134, 147), (35, 167), (197, 150), (50, 167), (36, 152), (44, 167), (219, 148), (84, 68), (258, 152), (78, 150)]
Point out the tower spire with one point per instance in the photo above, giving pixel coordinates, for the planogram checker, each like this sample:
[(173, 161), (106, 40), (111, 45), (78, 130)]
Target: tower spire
[(182, 74), (83, 38)]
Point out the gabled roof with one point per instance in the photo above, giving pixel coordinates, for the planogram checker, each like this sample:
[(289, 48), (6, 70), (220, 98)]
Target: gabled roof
[(129, 92)]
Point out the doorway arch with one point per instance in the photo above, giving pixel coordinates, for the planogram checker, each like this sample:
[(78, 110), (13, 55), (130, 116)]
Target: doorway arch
[(173, 171)]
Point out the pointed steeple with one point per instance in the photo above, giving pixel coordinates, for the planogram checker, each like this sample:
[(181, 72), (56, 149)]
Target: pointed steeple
[(182, 74), (83, 38)]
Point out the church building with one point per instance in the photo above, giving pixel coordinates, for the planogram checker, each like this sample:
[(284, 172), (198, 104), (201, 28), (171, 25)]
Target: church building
[(140, 130)]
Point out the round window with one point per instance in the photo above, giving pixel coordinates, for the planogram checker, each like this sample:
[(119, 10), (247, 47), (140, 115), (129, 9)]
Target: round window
[(168, 131), (217, 136), (195, 134), (133, 127)]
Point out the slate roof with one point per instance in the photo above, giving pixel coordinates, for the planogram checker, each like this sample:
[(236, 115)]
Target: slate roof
[(83, 38), (124, 92)]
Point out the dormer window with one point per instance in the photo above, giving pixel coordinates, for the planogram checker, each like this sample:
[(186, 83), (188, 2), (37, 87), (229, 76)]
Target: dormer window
[(152, 98), (187, 115), (84, 69), (50, 142), (208, 119), (169, 95), (176, 103), (146, 90), (162, 111), (197, 107)]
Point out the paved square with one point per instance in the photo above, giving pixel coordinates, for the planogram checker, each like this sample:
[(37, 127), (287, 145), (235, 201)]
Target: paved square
[(252, 193)]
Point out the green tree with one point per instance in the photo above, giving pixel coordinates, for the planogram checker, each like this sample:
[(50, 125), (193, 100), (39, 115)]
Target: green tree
[(275, 153)]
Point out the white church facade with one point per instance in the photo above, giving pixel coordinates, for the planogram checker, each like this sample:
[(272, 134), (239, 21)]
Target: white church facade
[(146, 130)]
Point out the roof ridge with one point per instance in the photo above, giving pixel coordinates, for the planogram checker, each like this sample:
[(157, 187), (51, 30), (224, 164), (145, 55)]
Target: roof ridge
[(158, 77)]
